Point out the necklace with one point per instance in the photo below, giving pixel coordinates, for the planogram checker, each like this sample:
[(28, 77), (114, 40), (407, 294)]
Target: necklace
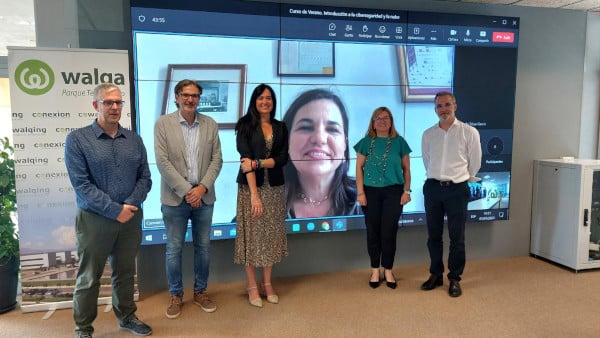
[(309, 200), (383, 159)]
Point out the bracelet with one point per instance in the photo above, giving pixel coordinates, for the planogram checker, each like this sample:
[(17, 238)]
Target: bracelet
[(361, 193), (254, 165), (261, 164)]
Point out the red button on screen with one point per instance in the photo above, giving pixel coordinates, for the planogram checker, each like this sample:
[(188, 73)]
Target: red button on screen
[(507, 37)]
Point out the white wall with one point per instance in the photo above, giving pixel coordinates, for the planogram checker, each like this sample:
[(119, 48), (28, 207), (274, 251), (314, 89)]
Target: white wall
[(56, 23), (5, 113), (590, 109), (548, 115), (556, 115)]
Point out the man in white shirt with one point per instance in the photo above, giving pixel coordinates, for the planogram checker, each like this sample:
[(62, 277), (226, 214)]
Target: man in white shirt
[(452, 156)]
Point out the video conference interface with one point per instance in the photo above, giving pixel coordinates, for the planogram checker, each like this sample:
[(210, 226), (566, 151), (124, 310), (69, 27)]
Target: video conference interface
[(366, 57)]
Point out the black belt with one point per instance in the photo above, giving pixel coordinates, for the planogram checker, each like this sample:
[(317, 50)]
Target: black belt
[(443, 183)]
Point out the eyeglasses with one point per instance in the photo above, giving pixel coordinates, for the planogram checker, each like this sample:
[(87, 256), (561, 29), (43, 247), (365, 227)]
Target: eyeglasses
[(383, 118), (109, 103), (187, 96)]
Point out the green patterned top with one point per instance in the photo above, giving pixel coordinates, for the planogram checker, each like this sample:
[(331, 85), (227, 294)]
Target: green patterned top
[(383, 166)]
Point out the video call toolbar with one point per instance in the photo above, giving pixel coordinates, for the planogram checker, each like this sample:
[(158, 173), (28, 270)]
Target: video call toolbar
[(500, 32), (154, 234)]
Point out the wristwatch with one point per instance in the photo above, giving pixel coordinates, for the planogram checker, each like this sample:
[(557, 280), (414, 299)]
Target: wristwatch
[(408, 191)]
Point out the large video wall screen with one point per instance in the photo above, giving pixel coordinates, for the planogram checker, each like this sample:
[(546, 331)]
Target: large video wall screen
[(365, 57)]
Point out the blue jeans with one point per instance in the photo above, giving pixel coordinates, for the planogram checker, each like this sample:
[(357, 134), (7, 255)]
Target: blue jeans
[(176, 222)]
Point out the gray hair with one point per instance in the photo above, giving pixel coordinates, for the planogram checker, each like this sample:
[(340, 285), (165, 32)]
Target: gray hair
[(104, 88)]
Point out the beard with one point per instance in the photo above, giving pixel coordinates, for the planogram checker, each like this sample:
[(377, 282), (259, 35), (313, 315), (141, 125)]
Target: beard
[(444, 117)]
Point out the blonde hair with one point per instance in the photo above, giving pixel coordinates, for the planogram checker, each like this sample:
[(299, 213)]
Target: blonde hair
[(392, 132)]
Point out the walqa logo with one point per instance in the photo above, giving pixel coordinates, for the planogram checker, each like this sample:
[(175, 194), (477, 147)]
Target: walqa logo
[(34, 77)]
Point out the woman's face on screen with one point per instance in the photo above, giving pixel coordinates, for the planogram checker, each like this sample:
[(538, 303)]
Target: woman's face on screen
[(317, 139)]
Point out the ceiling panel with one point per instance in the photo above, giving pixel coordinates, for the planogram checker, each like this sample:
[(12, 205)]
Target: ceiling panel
[(18, 26)]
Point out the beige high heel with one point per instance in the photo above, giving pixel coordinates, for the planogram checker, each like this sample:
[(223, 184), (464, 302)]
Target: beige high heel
[(254, 302), (273, 299)]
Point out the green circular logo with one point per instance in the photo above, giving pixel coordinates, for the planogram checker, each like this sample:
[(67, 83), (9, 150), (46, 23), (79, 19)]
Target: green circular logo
[(34, 77)]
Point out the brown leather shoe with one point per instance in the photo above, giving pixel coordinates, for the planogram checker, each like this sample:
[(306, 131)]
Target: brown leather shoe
[(454, 290), (175, 305), (201, 299)]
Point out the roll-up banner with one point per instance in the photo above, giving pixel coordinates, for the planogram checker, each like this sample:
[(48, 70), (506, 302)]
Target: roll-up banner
[(51, 93)]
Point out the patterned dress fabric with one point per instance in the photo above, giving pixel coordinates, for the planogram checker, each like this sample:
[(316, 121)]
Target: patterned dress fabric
[(261, 241)]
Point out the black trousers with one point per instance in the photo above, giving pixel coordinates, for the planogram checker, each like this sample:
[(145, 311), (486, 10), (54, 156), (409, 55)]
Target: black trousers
[(448, 199), (382, 213)]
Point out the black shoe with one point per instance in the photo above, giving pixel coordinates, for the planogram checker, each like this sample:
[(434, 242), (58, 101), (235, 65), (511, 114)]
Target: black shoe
[(433, 282), (84, 334), (136, 326), (391, 285), (454, 289), (376, 284)]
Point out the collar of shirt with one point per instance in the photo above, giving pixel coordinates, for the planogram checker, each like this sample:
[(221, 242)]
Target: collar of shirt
[(455, 123), (447, 153), (99, 131), (183, 121)]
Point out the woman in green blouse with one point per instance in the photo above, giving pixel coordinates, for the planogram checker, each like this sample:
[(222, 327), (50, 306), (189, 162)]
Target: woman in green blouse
[(383, 186)]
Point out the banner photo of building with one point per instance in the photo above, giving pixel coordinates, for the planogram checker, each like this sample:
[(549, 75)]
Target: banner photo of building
[(51, 92)]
